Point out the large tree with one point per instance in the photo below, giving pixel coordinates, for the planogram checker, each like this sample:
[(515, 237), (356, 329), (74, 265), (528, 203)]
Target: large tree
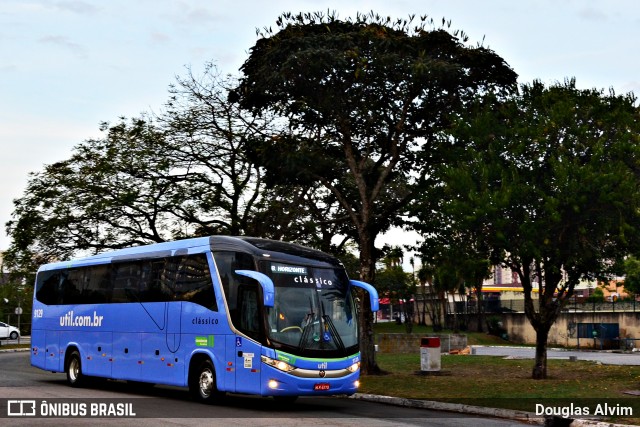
[(180, 173), (363, 98), (209, 134), (552, 177)]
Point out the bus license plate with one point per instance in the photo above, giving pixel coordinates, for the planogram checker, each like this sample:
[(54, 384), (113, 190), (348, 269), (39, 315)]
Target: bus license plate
[(321, 386)]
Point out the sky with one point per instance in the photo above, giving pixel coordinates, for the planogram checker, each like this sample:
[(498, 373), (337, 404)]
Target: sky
[(68, 65)]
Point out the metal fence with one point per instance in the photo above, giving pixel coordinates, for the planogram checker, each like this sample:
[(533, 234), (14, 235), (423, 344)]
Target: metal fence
[(496, 306), (608, 306)]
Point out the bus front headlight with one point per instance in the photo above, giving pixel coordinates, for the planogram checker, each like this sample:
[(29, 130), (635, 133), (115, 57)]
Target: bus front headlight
[(278, 364), (354, 367)]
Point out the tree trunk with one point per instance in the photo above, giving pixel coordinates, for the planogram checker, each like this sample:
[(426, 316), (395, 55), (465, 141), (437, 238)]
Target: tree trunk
[(368, 365), (542, 320), (480, 310), (540, 367), (454, 309)]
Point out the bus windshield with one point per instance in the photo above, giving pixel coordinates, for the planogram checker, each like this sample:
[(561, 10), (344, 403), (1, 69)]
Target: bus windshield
[(313, 310)]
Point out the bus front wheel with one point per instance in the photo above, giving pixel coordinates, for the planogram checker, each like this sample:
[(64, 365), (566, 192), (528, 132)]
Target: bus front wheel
[(202, 384), (74, 370)]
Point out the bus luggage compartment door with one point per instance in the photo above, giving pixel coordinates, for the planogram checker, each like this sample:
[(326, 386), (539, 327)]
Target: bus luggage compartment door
[(38, 355), (52, 348)]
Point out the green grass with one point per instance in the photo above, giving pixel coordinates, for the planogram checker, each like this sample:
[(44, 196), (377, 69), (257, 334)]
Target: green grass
[(502, 383)]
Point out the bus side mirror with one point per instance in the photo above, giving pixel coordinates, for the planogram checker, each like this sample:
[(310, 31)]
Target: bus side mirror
[(373, 294), (265, 282)]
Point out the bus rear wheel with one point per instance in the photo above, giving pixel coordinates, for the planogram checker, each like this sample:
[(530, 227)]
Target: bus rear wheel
[(75, 378), (202, 383)]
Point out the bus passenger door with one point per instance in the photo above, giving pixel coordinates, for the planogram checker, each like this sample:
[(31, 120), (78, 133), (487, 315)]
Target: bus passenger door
[(247, 355)]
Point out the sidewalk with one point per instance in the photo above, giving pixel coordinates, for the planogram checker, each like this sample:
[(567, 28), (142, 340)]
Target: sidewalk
[(606, 357), (23, 340)]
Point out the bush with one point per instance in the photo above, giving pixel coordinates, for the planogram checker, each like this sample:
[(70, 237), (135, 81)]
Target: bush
[(496, 327)]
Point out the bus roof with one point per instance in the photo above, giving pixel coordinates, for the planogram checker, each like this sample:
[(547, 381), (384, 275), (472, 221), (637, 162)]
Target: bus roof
[(261, 248)]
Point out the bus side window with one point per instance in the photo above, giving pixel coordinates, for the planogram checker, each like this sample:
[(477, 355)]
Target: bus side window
[(47, 285), (71, 286), (126, 278), (156, 278), (227, 263), (97, 289), (193, 282)]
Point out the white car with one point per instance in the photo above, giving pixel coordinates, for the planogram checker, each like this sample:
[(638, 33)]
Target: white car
[(8, 331)]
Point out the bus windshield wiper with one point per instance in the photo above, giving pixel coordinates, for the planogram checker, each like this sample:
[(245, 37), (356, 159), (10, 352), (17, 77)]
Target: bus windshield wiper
[(307, 327), (334, 332)]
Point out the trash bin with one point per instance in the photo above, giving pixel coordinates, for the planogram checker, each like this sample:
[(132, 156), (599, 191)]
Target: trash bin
[(430, 354)]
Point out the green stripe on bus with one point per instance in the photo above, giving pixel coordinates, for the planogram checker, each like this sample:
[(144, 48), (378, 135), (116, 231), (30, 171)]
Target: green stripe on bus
[(289, 358), (205, 341)]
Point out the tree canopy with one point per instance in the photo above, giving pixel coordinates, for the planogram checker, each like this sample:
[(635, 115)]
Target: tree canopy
[(180, 173), (111, 193), (551, 177), (364, 100), (632, 275)]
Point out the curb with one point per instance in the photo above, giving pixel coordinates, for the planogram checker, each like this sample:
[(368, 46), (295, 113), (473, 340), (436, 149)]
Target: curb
[(13, 350), (522, 416), (527, 417)]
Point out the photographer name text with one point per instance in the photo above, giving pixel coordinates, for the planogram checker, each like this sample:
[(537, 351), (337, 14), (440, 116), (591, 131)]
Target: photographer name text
[(572, 410)]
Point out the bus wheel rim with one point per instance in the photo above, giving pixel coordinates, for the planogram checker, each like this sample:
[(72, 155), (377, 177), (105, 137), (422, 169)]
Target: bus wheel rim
[(206, 383), (74, 369)]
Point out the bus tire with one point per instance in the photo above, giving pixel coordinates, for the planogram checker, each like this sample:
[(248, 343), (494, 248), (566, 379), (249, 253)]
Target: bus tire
[(202, 383), (73, 368)]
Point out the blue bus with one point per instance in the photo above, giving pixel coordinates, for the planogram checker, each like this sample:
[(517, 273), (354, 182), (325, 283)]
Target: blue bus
[(214, 314)]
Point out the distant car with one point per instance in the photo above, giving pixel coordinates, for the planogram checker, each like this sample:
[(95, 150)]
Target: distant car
[(8, 331)]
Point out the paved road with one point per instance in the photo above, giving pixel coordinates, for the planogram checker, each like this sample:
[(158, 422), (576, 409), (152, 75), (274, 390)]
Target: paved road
[(172, 406), (605, 357)]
